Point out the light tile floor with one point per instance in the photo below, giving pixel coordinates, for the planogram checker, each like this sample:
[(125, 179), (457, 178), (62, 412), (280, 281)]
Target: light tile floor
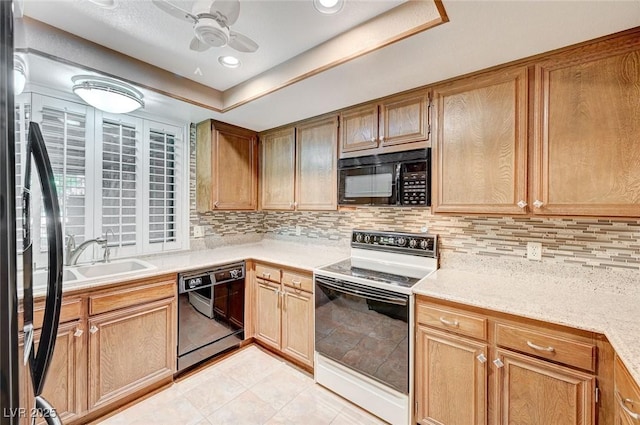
[(251, 387)]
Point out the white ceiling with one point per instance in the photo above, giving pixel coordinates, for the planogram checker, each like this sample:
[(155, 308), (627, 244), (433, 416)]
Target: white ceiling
[(479, 34)]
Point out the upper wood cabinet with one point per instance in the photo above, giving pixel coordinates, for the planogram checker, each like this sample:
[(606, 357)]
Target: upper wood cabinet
[(226, 167), (391, 125), (299, 167), (480, 151), (587, 156)]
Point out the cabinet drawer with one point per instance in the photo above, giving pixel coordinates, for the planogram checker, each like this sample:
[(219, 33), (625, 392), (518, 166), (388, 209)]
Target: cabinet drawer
[(297, 280), (128, 297), (268, 273), (627, 393), (571, 352), (71, 309), (453, 320)]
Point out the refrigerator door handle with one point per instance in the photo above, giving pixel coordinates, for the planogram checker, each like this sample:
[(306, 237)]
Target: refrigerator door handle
[(40, 362)]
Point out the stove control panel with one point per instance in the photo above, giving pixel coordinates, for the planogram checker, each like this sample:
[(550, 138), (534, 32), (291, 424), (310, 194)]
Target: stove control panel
[(406, 243)]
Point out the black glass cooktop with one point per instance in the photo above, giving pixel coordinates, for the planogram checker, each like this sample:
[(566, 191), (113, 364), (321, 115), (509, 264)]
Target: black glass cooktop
[(346, 268)]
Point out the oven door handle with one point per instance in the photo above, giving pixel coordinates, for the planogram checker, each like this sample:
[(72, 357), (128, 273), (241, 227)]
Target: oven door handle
[(362, 294)]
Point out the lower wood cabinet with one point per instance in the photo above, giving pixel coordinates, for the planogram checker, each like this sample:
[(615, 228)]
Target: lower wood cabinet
[(627, 396), (473, 367), (533, 392), (284, 312), (130, 349), (451, 379)]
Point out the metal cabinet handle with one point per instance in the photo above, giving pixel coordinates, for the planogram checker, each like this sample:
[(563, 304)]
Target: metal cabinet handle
[(78, 333), (481, 358), (277, 298), (296, 282), (537, 203), (266, 275), (284, 300), (215, 204), (548, 349), (382, 140), (373, 140), (446, 322), (498, 363), (622, 402), (522, 204), (93, 329)]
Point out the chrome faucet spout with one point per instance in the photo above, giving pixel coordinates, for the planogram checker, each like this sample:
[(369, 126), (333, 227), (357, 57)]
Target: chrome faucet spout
[(75, 253)]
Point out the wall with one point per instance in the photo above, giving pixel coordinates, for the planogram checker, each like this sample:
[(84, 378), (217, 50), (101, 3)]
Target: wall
[(590, 243)]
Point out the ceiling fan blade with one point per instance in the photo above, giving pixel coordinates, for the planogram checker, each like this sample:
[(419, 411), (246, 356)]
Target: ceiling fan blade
[(174, 10), (198, 46), (241, 43), (229, 9)]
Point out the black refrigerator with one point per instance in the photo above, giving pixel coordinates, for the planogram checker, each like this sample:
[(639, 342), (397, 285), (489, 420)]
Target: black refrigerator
[(11, 412)]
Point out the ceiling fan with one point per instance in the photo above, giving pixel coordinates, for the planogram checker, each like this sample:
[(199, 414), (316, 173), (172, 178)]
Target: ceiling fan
[(211, 20)]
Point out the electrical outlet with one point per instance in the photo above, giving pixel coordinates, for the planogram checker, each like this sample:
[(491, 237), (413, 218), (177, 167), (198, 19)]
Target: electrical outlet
[(298, 230), (198, 231), (534, 251)]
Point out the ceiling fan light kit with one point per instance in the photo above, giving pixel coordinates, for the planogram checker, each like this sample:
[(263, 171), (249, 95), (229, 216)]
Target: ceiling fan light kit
[(107, 94), (328, 7), (229, 61)]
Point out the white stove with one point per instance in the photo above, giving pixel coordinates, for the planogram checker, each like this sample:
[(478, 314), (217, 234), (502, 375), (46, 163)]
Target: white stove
[(364, 320)]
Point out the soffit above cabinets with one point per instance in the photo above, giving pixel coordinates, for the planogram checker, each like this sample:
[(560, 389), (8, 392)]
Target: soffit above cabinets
[(300, 79)]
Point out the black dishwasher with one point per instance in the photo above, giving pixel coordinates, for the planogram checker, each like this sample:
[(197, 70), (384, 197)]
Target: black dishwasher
[(210, 312)]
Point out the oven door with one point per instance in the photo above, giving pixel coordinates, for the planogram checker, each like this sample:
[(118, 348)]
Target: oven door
[(368, 185), (365, 329)]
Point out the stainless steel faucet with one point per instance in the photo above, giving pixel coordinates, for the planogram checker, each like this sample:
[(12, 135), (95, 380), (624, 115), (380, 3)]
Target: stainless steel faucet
[(73, 253)]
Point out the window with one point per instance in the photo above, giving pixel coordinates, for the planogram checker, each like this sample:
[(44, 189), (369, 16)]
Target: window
[(116, 175)]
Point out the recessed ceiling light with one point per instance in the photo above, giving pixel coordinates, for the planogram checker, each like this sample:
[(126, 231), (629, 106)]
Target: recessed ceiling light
[(229, 61), (328, 7), (105, 4), (107, 94)]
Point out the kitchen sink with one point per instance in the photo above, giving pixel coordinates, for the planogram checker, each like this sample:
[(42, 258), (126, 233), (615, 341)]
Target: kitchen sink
[(40, 277), (112, 268)]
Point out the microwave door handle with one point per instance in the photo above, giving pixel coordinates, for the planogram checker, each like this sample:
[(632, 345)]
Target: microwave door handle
[(362, 294), (42, 360)]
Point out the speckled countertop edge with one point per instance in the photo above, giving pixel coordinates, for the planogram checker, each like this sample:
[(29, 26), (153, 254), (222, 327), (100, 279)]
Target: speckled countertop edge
[(573, 302)]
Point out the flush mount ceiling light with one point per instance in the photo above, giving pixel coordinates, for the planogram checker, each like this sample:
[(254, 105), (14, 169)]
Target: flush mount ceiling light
[(229, 61), (328, 7), (107, 94), (19, 75)]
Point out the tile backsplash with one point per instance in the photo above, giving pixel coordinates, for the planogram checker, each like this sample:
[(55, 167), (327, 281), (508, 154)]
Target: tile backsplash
[(592, 243)]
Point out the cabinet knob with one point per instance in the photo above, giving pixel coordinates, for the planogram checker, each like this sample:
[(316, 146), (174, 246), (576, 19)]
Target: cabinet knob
[(498, 363), (93, 329), (537, 203), (522, 204), (481, 358), (78, 333)]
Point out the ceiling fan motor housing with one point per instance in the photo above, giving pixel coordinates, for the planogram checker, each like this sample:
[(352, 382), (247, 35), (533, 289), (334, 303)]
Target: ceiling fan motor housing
[(209, 31)]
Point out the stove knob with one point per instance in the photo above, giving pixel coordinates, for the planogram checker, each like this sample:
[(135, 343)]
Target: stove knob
[(367, 238), (358, 237), (401, 241), (413, 243), (424, 244), (235, 274)]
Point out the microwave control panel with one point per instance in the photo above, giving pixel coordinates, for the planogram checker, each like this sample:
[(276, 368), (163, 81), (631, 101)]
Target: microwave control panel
[(414, 188)]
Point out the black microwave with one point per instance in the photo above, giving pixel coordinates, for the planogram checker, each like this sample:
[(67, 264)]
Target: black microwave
[(399, 178)]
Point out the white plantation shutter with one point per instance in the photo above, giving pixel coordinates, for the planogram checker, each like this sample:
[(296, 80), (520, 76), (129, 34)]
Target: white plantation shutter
[(119, 182), (162, 194), (65, 135)]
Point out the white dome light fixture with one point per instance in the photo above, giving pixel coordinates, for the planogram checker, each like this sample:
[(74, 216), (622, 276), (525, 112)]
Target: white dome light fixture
[(328, 7), (107, 94), (229, 61), (19, 75)]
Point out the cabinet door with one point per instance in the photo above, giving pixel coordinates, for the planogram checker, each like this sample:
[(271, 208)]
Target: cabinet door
[(587, 152), (404, 119), (234, 173), (267, 318), (277, 170), (534, 392), (297, 325), (451, 381), (65, 386), (626, 395), (130, 349), (359, 129), (480, 151), (316, 178)]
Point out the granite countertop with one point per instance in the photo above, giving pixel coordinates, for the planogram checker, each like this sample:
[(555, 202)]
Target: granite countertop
[(583, 303)]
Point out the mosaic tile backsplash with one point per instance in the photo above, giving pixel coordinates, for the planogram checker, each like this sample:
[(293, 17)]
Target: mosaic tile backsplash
[(592, 243)]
